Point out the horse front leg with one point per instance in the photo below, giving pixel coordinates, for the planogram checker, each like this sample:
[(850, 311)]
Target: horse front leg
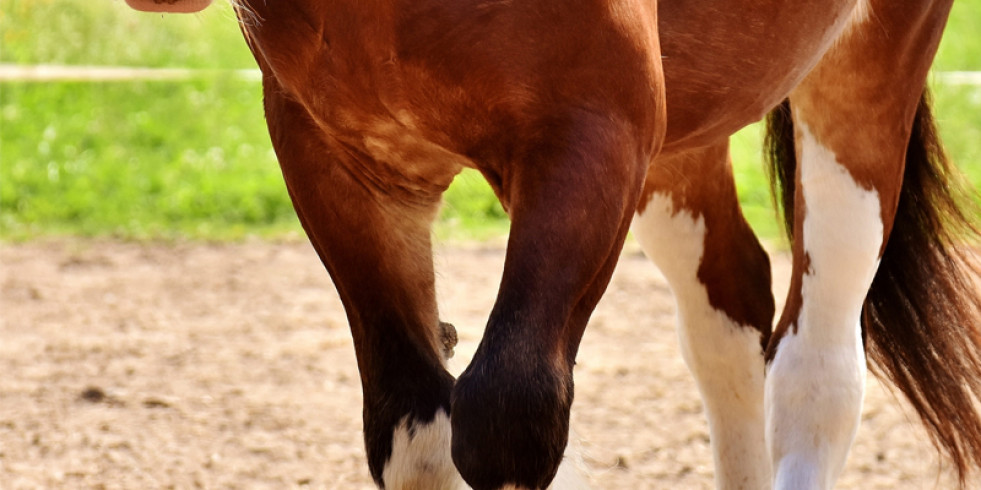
[(375, 242), (571, 195)]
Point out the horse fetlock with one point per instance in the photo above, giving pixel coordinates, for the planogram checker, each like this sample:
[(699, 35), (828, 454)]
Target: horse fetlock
[(510, 431), (406, 430), (420, 458)]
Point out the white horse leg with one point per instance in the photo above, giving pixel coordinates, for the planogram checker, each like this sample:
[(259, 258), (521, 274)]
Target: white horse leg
[(720, 278), (816, 374)]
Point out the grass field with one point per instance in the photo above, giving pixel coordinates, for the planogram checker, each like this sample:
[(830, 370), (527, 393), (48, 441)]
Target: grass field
[(155, 159)]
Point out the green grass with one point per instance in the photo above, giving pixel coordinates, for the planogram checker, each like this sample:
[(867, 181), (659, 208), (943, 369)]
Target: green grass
[(192, 159), (107, 32), (142, 159), (960, 48)]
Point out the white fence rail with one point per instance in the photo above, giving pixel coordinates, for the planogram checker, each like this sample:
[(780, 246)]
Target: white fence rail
[(959, 77), (64, 73)]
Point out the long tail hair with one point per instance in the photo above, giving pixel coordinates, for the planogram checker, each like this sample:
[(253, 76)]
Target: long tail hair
[(921, 319)]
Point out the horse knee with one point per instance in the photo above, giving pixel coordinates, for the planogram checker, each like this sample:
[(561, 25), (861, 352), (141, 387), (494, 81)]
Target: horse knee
[(510, 424)]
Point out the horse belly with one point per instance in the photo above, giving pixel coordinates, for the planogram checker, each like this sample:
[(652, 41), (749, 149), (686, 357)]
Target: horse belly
[(726, 64)]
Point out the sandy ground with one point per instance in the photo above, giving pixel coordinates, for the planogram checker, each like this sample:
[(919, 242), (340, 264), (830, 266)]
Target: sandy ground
[(231, 366)]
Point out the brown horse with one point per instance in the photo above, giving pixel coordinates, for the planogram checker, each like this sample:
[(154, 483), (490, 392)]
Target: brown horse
[(585, 116)]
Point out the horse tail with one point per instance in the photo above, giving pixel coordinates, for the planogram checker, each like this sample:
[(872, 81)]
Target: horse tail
[(922, 316), (781, 159)]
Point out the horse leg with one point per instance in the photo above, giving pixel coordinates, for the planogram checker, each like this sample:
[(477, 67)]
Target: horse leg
[(374, 239), (689, 223), (816, 364), (853, 117), (570, 195)]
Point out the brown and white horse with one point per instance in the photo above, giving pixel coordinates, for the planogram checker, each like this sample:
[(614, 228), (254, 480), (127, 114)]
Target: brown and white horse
[(586, 116)]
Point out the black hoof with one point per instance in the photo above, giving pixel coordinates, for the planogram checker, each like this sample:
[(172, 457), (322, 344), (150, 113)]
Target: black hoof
[(510, 425)]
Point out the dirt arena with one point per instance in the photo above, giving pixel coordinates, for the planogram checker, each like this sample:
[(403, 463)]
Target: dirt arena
[(140, 366)]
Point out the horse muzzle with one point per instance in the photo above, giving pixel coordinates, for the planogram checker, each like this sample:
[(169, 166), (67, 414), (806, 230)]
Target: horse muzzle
[(170, 6)]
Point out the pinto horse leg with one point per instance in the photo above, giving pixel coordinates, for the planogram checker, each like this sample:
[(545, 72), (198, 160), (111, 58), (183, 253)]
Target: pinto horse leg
[(689, 223), (853, 117), (816, 369), (570, 195), (376, 245)]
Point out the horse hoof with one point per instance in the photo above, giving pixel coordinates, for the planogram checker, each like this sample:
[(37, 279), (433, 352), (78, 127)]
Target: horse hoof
[(510, 424)]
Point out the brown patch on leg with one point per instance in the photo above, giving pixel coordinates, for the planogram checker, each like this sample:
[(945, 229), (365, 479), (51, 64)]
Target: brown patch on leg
[(735, 269)]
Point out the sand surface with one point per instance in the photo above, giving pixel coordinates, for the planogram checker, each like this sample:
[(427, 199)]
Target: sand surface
[(231, 366)]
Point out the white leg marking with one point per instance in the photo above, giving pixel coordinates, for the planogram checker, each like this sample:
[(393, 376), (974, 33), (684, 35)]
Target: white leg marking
[(725, 358), (816, 382), (421, 460)]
